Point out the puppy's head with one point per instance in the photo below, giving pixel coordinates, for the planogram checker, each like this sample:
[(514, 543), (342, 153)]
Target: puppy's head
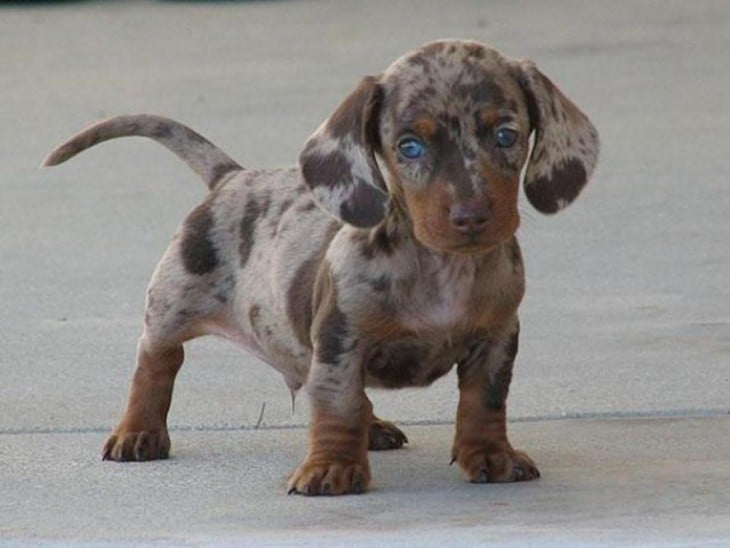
[(443, 135)]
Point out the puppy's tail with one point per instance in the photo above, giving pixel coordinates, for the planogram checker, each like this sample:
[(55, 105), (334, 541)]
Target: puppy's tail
[(203, 157)]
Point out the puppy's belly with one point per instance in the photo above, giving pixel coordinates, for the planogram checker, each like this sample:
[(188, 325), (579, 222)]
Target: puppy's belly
[(273, 342)]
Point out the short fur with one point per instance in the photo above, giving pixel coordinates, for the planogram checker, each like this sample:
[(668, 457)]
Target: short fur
[(414, 269)]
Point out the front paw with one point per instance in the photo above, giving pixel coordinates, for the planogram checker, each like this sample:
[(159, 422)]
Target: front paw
[(123, 445), (329, 476), (490, 462)]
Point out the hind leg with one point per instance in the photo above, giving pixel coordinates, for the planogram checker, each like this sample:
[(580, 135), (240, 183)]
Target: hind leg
[(142, 433), (180, 307)]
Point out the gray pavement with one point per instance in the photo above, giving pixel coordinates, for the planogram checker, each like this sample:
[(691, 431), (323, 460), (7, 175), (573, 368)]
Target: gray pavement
[(622, 387)]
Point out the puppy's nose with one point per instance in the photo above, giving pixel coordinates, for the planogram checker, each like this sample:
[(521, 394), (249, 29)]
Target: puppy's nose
[(467, 219)]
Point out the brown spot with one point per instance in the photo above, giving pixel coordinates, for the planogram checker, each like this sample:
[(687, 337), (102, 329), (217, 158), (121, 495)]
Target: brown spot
[(395, 365), (300, 295), (489, 117), (426, 127), (331, 335), (365, 206), (247, 230), (299, 300), (198, 252), (330, 170), (550, 194)]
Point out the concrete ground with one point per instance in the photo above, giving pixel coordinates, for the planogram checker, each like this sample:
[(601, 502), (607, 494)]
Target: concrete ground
[(622, 388)]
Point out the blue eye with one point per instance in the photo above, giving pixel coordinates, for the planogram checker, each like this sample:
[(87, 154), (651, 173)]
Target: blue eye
[(505, 137), (411, 148)]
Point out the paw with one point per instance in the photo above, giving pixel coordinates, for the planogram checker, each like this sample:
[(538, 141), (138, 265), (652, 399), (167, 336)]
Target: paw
[(385, 435), (137, 446), (494, 463), (330, 477)]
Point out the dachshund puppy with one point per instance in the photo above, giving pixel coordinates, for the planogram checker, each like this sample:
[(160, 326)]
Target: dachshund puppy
[(387, 257)]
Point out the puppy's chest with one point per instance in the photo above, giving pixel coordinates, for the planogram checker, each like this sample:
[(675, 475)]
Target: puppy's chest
[(447, 298), (438, 305), (432, 320)]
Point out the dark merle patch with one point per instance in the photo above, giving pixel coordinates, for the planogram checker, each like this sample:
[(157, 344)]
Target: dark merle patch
[(198, 252), (381, 284), (484, 91), (300, 295), (498, 389), (220, 171), (248, 228), (565, 182), (161, 131), (380, 242), (365, 206), (499, 386), (332, 333), (329, 170), (395, 366), (299, 299)]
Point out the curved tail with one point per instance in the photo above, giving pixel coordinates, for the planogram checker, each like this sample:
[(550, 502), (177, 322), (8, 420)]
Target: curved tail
[(203, 157)]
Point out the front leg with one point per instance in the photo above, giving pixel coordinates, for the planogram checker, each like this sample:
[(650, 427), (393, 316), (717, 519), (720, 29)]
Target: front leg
[(481, 447), (337, 461)]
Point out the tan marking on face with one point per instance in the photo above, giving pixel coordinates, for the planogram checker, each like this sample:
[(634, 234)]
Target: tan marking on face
[(426, 127), (430, 210), (489, 117), (502, 193)]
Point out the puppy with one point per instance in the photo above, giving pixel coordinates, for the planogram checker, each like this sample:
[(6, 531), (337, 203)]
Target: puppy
[(387, 257)]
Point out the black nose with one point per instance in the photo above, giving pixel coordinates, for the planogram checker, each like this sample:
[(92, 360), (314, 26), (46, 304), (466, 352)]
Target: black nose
[(469, 219)]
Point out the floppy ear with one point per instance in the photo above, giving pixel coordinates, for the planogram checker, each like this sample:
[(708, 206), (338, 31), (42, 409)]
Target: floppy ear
[(566, 143), (338, 161)]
